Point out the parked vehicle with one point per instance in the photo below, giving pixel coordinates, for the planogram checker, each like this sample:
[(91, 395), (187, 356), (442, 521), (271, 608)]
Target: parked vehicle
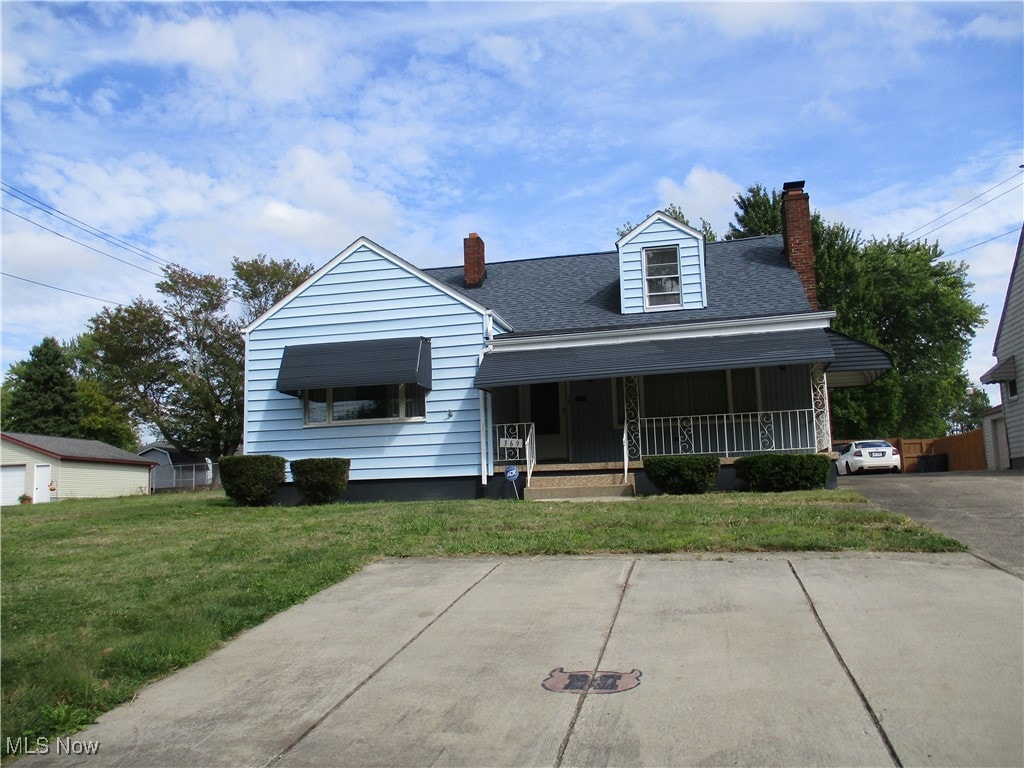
[(868, 455)]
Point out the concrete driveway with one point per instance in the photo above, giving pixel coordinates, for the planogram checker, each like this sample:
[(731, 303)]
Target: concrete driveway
[(984, 510), (803, 659)]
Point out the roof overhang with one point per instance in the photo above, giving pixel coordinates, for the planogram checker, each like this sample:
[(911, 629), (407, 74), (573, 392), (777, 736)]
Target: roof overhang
[(848, 362), (510, 367), (1004, 370), (355, 364), (856, 363)]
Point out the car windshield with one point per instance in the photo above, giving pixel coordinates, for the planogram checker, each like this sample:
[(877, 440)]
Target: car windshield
[(874, 444)]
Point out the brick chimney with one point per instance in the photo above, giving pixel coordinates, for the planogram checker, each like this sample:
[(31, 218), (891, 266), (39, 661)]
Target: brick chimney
[(475, 269), (797, 238)]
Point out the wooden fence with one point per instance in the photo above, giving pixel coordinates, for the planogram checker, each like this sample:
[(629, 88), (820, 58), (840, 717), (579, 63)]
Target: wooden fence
[(964, 452)]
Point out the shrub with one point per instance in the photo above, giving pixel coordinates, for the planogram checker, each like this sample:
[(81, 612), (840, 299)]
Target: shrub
[(321, 481), (251, 480), (682, 474), (774, 472)]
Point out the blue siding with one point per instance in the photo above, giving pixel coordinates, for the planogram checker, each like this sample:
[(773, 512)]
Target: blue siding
[(658, 232), (366, 295)]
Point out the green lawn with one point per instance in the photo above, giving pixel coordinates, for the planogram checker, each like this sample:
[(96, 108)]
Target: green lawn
[(100, 596)]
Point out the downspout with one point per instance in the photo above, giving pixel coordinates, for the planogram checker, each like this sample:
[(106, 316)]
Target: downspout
[(245, 390)]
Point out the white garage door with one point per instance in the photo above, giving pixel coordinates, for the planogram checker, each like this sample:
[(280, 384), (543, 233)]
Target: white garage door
[(12, 483)]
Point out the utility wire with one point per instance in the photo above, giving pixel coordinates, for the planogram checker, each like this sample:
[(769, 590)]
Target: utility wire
[(967, 213), (969, 247), (26, 198), (965, 202), (63, 290), (79, 242)]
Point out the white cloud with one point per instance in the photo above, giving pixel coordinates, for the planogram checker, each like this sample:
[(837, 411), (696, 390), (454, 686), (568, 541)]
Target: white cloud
[(704, 193), (988, 26), (509, 54)]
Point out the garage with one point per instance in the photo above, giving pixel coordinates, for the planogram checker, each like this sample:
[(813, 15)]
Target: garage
[(12, 483)]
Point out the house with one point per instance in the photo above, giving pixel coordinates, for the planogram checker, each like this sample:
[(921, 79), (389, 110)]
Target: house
[(176, 469), (52, 468), (433, 380), (1004, 428)]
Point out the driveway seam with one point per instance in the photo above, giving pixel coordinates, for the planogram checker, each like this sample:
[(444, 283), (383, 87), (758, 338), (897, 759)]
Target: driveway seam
[(316, 724), (849, 674), (597, 666)]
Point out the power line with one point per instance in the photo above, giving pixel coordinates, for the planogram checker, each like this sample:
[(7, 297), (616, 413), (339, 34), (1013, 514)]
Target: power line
[(79, 242), (967, 213), (969, 247), (965, 202), (26, 198), (63, 290)]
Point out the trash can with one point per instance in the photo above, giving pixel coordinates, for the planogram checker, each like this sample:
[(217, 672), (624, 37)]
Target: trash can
[(934, 462)]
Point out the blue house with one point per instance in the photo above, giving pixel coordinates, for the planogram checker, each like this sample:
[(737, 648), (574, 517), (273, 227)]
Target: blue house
[(433, 380)]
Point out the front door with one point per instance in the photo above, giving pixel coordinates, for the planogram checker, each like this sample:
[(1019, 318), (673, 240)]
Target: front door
[(548, 414)]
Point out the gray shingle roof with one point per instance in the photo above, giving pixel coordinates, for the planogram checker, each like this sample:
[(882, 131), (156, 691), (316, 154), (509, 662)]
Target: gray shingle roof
[(745, 278), (73, 448)]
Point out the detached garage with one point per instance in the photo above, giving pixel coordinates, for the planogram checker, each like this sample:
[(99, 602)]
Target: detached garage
[(53, 468)]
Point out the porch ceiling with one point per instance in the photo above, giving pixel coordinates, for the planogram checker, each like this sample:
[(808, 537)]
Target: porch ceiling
[(602, 361), (355, 364)]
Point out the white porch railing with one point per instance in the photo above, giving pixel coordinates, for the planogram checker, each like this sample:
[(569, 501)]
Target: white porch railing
[(516, 444), (728, 434)]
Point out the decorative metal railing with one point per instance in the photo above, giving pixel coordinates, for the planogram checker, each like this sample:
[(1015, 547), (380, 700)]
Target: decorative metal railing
[(729, 434), (516, 444)]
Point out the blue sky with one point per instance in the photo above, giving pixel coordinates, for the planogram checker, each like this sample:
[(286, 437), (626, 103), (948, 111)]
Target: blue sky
[(202, 132)]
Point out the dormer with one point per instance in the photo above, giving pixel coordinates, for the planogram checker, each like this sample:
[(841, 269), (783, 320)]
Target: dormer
[(661, 267)]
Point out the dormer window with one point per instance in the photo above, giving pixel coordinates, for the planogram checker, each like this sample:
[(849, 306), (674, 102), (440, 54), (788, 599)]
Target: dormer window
[(661, 277)]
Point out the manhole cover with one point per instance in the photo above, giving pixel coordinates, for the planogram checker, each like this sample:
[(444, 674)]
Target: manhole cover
[(560, 681)]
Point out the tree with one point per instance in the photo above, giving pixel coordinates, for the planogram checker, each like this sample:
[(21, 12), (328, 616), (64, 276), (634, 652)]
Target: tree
[(897, 294), (676, 213), (43, 399), (260, 283), (177, 366), (967, 415), (759, 213)]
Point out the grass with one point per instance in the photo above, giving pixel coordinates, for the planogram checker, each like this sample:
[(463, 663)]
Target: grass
[(101, 596)]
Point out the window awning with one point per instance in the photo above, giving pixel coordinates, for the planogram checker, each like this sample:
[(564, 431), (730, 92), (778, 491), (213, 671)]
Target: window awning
[(1005, 370), (856, 363), (355, 364)]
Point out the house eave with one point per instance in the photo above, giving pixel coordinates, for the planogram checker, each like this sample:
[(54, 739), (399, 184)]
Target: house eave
[(805, 321)]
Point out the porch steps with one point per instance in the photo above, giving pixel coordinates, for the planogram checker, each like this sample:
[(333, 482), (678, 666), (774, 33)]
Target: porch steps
[(576, 486)]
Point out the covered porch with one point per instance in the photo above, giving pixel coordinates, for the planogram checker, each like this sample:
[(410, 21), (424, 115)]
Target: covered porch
[(728, 396)]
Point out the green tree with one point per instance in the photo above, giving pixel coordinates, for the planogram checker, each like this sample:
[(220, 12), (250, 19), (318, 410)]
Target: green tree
[(901, 296), (758, 213), (260, 283), (102, 419), (967, 415), (43, 398), (676, 213)]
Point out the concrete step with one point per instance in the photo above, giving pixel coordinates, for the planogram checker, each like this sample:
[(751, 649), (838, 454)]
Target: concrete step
[(587, 486)]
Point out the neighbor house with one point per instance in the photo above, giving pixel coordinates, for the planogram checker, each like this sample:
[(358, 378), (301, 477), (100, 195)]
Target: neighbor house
[(432, 380), (42, 468), (1004, 427)]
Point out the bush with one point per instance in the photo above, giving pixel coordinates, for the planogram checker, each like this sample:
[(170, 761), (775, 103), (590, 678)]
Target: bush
[(682, 474), (251, 480), (321, 481), (775, 472)]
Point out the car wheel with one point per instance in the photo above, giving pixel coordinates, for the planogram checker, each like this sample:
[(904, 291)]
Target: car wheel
[(848, 470)]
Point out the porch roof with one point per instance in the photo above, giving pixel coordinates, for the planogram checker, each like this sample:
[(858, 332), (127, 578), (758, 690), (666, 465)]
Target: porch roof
[(355, 364), (602, 361), (855, 363)]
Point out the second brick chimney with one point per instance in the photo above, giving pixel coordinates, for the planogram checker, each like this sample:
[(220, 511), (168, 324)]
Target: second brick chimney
[(475, 268), (797, 237)]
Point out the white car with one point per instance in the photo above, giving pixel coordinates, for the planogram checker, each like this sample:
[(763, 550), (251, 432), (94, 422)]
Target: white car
[(867, 455)]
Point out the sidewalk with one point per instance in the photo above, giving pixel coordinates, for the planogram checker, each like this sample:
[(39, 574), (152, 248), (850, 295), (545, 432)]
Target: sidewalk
[(800, 659)]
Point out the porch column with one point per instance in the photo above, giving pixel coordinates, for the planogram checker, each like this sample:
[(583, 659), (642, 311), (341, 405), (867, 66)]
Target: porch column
[(631, 415), (819, 397)]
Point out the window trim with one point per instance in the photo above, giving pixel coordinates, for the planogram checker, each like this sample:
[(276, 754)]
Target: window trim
[(329, 404), (648, 306)]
